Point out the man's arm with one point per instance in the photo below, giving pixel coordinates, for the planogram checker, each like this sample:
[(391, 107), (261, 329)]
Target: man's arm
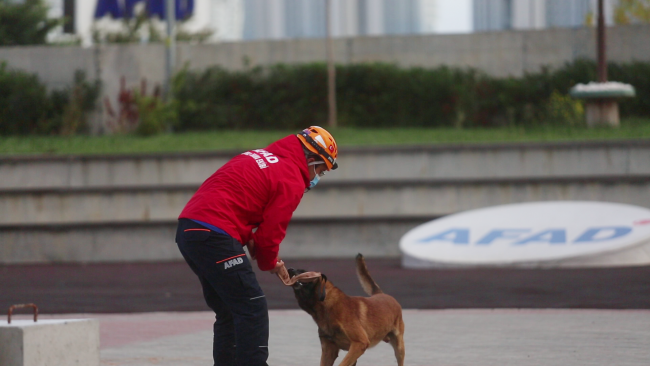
[(279, 265), (251, 249), (272, 230)]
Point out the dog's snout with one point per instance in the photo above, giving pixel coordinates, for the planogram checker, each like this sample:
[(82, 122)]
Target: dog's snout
[(295, 272)]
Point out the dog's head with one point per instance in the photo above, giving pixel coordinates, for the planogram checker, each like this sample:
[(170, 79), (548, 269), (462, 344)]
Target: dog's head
[(308, 292)]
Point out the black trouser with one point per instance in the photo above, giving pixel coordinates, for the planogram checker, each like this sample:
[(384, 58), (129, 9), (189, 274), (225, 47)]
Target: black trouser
[(241, 329)]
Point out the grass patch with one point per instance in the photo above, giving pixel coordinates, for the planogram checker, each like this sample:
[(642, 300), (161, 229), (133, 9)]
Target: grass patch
[(243, 140)]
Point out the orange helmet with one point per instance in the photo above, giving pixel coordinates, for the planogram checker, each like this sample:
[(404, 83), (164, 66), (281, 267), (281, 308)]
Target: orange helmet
[(317, 140)]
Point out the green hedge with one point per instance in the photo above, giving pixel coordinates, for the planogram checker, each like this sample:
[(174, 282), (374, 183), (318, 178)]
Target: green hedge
[(368, 95), (27, 108), (384, 95), (277, 97)]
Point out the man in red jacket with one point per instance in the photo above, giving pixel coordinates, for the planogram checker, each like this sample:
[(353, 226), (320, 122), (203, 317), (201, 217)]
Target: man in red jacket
[(257, 189)]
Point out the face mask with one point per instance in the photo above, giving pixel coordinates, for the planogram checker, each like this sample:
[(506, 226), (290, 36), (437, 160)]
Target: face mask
[(314, 181)]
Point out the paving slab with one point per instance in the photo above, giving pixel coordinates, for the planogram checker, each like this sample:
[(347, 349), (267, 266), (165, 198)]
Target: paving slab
[(468, 337)]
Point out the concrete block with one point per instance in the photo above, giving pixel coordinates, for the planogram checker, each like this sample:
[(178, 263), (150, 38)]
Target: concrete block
[(602, 112), (64, 342)]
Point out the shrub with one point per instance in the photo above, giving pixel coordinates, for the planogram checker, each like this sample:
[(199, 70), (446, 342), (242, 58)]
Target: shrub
[(276, 97), (637, 74), (382, 95), (78, 100), (138, 112), (156, 116), (563, 110), (25, 107), (25, 22)]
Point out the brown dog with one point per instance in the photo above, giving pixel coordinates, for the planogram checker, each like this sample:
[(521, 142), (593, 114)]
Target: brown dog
[(351, 323)]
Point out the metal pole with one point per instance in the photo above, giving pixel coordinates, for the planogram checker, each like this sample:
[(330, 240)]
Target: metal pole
[(602, 56), (331, 70), (170, 46)]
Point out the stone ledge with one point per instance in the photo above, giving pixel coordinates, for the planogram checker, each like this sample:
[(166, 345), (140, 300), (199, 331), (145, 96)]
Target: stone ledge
[(227, 154), (64, 342)]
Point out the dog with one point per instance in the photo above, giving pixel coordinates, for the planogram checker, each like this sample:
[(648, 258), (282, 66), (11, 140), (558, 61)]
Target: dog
[(351, 323)]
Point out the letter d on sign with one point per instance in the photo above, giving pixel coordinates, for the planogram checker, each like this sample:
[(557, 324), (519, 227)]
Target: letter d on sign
[(614, 232)]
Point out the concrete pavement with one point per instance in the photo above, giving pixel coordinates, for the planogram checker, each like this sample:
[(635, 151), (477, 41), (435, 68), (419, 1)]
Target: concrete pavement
[(157, 318), (433, 338)]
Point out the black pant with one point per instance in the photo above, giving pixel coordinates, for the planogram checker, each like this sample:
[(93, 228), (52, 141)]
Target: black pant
[(241, 329)]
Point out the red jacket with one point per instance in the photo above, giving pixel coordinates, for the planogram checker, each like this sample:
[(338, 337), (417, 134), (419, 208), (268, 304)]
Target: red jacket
[(259, 188)]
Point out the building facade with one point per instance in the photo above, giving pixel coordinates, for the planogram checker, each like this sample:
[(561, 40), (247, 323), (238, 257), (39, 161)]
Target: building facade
[(234, 20), (273, 19), (493, 15), (563, 13)]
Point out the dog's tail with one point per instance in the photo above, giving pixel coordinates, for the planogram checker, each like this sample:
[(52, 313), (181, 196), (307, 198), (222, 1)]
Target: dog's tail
[(368, 284)]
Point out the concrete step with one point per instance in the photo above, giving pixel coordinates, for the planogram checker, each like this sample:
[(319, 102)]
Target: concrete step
[(154, 241), (124, 208), (512, 160), (108, 170), (362, 199)]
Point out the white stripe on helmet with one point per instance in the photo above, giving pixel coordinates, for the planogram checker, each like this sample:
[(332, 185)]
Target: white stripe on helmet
[(320, 140)]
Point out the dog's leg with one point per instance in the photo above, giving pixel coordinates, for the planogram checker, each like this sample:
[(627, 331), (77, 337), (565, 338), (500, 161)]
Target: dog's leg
[(356, 350), (329, 351), (397, 341)]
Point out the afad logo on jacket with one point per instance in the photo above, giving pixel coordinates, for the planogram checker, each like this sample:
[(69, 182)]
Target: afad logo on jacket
[(265, 155)]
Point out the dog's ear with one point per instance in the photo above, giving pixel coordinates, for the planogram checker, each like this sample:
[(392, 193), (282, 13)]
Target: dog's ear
[(323, 293)]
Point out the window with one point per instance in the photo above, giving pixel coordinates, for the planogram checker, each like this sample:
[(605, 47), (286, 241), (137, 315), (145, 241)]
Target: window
[(69, 14)]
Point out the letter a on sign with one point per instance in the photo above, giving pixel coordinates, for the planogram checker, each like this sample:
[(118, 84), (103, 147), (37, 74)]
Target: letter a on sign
[(456, 236)]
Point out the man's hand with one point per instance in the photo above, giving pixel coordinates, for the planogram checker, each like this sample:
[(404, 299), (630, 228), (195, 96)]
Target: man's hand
[(279, 267), (251, 249)]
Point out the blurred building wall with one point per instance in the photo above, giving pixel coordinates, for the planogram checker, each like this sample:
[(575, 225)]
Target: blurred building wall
[(529, 14), (494, 15), (496, 53)]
